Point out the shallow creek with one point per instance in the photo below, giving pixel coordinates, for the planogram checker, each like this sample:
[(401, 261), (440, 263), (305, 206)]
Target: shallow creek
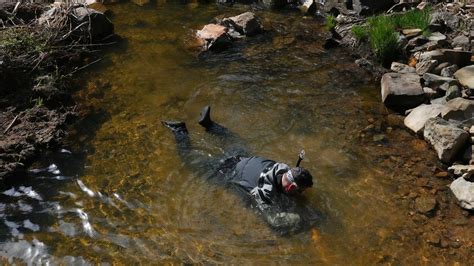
[(127, 198)]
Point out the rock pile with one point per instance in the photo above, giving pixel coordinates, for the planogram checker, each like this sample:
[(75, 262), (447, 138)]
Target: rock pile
[(436, 89), (220, 35)]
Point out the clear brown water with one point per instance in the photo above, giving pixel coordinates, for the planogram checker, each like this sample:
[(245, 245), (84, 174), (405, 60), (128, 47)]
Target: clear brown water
[(135, 201)]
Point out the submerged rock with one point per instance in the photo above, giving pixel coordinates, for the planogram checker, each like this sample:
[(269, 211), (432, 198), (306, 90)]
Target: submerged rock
[(90, 24), (401, 91), (417, 118), (465, 76), (445, 137), (464, 192), (425, 204)]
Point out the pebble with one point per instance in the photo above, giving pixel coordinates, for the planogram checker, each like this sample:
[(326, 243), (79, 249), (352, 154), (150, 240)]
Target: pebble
[(425, 204)]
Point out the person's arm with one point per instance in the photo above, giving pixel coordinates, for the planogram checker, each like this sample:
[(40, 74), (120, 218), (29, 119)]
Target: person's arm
[(283, 222)]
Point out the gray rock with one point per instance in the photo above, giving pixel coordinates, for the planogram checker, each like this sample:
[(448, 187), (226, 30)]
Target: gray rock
[(438, 68), (461, 41), (425, 66), (465, 76), (445, 18), (307, 6), (246, 24), (431, 55), (90, 24), (213, 37), (425, 204), (435, 81), (411, 32), (440, 100), (471, 130), (464, 192), (445, 137), (437, 36), (457, 57), (402, 68), (453, 92), (449, 71), (459, 169), (458, 109), (401, 91), (417, 118)]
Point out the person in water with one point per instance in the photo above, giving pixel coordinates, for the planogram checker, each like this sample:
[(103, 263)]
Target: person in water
[(267, 183)]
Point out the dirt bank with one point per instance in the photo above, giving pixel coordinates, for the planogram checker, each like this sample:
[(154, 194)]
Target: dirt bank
[(42, 47)]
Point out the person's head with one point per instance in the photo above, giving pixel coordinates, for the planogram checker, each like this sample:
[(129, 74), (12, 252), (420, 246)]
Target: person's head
[(296, 180)]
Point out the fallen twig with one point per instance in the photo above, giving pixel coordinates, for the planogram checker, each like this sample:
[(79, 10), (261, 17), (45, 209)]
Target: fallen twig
[(81, 68), (11, 124)]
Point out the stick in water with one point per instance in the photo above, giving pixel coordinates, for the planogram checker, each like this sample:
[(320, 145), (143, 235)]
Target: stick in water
[(300, 158)]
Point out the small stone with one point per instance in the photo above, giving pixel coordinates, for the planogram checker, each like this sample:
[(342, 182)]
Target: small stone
[(461, 41), (433, 239), (417, 118), (402, 68), (449, 71), (411, 32), (379, 138), (453, 92), (442, 174), (437, 36), (471, 130), (458, 109), (425, 204), (438, 68), (425, 66)]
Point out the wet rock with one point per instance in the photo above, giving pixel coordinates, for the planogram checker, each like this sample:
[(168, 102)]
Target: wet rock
[(437, 36), (402, 68), (401, 91), (459, 169), (458, 109), (445, 137), (307, 7), (429, 92), (465, 76), (435, 81), (417, 118), (463, 190), (214, 37), (449, 71), (457, 57), (246, 24), (433, 239), (90, 24), (415, 42), (461, 41), (425, 204), (426, 66)]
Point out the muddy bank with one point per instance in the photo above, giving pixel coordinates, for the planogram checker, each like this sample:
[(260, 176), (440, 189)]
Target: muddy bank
[(42, 47)]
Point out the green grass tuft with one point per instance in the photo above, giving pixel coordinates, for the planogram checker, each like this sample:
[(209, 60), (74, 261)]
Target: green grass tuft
[(382, 31), (330, 22), (360, 32)]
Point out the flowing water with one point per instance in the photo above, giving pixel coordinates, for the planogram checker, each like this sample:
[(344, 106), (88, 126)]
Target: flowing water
[(128, 198)]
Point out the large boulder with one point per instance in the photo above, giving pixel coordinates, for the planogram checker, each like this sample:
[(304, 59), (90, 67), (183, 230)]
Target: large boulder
[(417, 118), (89, 24), (458, 109), (245, 24), (445, 137), (401, 91), (214, 37), (464, 192), (465, 76)]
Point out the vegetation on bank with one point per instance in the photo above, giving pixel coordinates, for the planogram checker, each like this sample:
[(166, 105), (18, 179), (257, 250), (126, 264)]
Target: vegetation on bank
[(382, 31)]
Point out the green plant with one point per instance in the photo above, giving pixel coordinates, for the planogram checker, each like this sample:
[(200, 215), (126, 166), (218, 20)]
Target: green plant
[(38, 102), (383, 38), (360, 32), (419, 19), (330, 22)]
